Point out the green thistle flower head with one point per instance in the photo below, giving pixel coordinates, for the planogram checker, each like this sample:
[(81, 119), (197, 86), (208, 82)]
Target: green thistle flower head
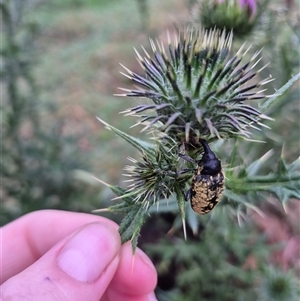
[(155, 176), (197, 90)]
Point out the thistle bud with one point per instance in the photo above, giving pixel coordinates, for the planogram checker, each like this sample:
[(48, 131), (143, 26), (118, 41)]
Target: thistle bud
[(240, 16), (197, 90)]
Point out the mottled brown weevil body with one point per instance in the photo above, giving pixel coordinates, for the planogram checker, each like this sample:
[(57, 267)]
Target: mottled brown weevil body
[(207, 183)]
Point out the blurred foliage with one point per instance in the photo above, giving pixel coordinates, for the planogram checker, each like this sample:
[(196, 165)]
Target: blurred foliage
[(66, 54), (219, 262), (38, 159), (144, 12), (207, 264)]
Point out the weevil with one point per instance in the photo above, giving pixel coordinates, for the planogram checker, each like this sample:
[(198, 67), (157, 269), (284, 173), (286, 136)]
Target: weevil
[(207, 183)]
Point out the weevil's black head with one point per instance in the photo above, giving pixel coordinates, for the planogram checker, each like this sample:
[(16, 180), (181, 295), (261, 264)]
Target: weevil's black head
[(211, 165)]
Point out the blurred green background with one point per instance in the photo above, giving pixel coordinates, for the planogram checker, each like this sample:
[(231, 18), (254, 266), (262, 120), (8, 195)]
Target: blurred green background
[(60, 69)]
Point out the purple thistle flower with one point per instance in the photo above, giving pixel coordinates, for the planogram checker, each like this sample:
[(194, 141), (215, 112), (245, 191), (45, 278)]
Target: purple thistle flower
[(250, 4)]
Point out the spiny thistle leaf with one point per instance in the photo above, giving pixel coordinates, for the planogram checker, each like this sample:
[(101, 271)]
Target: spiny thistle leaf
[(284, 182), (119, 191), (135, 214), (181, 205), (131, 224), (279, 93), (197, 89), (140, 145), (254, 167)]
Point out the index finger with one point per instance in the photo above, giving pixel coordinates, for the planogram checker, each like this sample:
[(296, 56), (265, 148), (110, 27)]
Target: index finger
[(28, 238)]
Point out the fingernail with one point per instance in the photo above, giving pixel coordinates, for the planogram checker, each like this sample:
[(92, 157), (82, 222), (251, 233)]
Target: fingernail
[(151, 297), (86, 255)]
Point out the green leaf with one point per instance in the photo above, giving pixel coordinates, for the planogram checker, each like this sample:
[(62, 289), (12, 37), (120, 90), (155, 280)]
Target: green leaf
[(165, 205), (254, 167), (285, 193), (181, 205), (136, 213), (284, 183), (140, 145), (119, 191), (192, 219), (281, 167), (131, 224), (278, 95)]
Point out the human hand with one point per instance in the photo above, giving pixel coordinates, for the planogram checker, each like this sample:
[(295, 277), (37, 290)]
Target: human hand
[(57, 255)]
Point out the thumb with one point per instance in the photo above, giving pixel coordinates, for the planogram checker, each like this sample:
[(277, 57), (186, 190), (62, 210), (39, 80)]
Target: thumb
[(80, 267)]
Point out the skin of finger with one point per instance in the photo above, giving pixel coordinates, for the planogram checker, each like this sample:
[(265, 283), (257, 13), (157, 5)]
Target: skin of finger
[(117, 296), (135, 276), (28, 238), (45, 280)]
